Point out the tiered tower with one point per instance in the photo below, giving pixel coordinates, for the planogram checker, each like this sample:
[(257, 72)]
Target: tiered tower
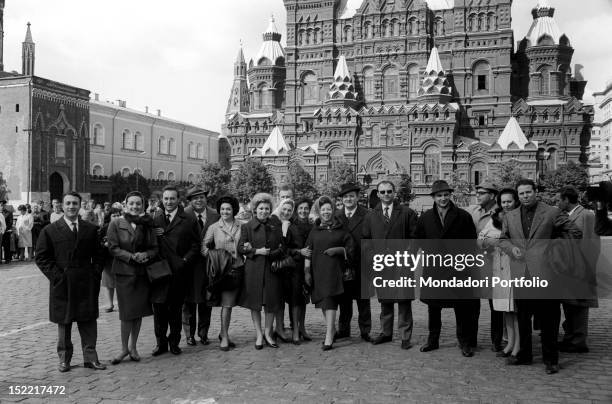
[(239, 96), (28, 51)]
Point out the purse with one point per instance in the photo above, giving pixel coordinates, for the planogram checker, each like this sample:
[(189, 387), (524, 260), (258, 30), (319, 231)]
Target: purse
[(348, 273), (158, 269), (283, 264)]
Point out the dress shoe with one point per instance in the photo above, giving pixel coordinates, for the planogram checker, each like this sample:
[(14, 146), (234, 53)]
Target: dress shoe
[(229, 343), (381, 339), (327, 347), (204, 341), (271, 344), (503, 354), (191, 341), (552, 369), (117, 360), (516, 361), (430, 346), (160, 349), (467, 351), (366, 337), (406, 344), (175, 350), (110, 309), (134, 356), (224, 348), (63, 367), (259, 347), (340, 335), (94, 365)]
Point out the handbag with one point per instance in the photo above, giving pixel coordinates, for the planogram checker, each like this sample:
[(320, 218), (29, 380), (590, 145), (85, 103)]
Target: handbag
[(283, 264), (348, 273), (158, 269)]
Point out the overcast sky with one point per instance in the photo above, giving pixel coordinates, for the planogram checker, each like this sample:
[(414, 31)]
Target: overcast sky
[(178, 55)]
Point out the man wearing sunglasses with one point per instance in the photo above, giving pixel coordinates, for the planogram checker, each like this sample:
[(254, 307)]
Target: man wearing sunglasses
[(390, 220)]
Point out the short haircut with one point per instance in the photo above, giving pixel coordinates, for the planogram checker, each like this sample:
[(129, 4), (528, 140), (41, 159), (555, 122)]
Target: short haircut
[(75, 194), (508, 191), (326, 200), (526, 181), (171, 188), (232, 201), (385, 182), (285, 187), (260, 198), (135, 193), (570, 193), (22, 207)]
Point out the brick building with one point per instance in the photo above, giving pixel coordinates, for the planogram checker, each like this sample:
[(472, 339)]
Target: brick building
[(424, 87)]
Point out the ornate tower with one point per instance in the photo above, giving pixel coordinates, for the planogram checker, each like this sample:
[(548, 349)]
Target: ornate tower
[(28, 51), (341, 91), (435, 87), (239, 96), (1, 35)]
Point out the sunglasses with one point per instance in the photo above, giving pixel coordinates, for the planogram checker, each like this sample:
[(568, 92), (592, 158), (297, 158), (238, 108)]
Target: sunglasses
[(388, 192)]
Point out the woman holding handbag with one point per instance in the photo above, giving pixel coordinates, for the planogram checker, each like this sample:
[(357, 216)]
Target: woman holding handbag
[(133, 244), (332, 245), (225, 235), (261, 242)]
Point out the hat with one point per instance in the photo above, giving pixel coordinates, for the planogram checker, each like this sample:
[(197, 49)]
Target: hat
[(232, 201), (3, 201), (349, 187), (195, 191), (439, 186), (489, 186)]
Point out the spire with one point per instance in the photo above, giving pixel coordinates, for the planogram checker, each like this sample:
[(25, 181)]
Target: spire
[(240, 56), (342, 87), (342, 71), (272, 33), (239, 95), (512, 133), (275, 142), (435, 86), (28, 50)]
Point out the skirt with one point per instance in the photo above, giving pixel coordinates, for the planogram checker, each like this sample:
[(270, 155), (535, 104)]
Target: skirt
[(133, 296), (329, 303), (108, 279)]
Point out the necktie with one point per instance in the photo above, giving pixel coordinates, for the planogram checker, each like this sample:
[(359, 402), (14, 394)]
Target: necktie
[(200, 221), (387, 213), (348, 215), (168, 218), (74, 230)]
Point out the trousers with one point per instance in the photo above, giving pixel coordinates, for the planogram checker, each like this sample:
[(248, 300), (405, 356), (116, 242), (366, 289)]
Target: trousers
[(167, 315), (203, 312), (88, 330), (364, 320), (404, 318), (549, 313), (467, 313), (576, 325)]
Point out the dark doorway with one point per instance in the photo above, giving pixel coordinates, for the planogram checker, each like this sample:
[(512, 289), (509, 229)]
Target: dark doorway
[(56, 186), (374, 200)]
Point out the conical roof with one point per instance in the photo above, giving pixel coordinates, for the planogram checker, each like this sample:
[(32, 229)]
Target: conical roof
[(275, 142), (342, 71), (28, 37), (240, 56), (435, 86), (434, 64), (512, 134), (342, 86), (543, 24), (271, 49)]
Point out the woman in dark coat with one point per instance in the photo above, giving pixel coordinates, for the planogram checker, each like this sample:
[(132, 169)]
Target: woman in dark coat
[(299, 231), (261, 242), (108, 279), (331, 246), (133, 243)]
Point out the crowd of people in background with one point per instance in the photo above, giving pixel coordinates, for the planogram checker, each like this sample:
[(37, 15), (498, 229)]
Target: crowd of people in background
[(175, 259)]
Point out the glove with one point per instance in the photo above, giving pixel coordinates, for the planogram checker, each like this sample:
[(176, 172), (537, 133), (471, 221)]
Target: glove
[(335, 251)]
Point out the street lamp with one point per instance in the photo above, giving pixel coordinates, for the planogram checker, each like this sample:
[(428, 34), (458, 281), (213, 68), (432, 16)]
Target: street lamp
[(137, 171)]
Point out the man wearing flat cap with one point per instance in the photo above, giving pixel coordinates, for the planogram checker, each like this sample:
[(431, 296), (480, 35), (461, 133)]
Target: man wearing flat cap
[(445, 221), (351, 216), (486, 192), (195, 299)]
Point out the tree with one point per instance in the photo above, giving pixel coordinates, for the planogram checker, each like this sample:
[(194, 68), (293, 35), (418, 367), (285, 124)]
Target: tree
[(570, 174), (215, 178), (341, 173), (507, 175), (4, 191), (121, 185), (301, 181), (404, 188), (137, 182), (252, 177), (462, 190)]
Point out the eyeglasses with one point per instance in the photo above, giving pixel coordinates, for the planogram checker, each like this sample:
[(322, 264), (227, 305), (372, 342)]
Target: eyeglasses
[(388, 192), (482, 192)]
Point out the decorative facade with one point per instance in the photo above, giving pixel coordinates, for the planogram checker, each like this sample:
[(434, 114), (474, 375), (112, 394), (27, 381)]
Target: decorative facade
[(419, 86)]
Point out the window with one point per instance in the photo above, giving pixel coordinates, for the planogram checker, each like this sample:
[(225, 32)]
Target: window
[(482, 82), (544, 80), (170, 176), (190, 150), (161, 175), (413, 81), (97, 170), (128, 140), (126, 172), (310, 89), (162, 145), (368, 83), (60, 149), (16, 107), (481, 72), (98, 135), (482, 120), (200, 151), (432, 164), (139, 140), (391, 83), (335, 156), (172, 147)]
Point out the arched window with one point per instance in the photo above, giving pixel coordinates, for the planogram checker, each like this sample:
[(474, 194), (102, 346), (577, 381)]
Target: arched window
[(127, 142), (200, 151), (60, 149), (172, 147), (348, 34), (98, 135), (544, 80), (191, 150), (310, 89), (368, 83), (369, 30), (162, 145), (395, 27), (481, 75), (126, 171), (413, 81), (385, 29), (438, 26), (161, 175), (139, 140), (335, 156), (97, 169), (191, 178), (432, 164), (471, 22), (171, 176), (491, 22), (261, 96), (391, 83)]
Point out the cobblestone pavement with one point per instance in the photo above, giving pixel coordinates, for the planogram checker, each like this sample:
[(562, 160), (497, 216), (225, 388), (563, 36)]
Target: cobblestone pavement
[(353, 371)]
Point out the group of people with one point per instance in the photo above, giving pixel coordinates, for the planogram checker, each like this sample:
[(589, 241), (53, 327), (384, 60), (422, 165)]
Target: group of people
[(176, 263)]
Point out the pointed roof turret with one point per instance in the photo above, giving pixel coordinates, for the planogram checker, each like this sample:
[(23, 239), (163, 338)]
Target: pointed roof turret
[(434, 64), (271, 50), (240, 56), (543, 24), (512, 134), (342, 87), (435, 86), (342, 71), (275, 142), (28, 37)]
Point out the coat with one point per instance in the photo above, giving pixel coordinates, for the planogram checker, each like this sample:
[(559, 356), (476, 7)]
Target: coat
[(73, 269), (401, 226), (458, 225), (196, 289), (121, 240), (180, 246), (354, 226), (257, 272), (548, 223)]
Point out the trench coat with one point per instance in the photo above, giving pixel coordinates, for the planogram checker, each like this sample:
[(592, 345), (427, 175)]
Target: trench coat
[(354, 226), (73, 268)]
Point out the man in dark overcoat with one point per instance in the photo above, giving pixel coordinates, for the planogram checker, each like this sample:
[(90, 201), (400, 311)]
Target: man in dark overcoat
[(195, 300), (179, 243), (8, 232), (447, 221), (390, 220), (352, 216), (69, 255)]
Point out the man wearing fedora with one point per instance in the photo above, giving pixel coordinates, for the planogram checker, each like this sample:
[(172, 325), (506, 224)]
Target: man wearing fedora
[(392, 221), (486, 192), (446, 221), (351, 216), (195, 299)]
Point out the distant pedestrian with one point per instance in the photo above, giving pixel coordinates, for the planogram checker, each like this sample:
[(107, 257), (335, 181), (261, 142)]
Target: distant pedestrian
[(25, 223)]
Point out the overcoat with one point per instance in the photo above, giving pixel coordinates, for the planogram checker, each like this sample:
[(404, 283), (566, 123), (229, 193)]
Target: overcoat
[(180, 246), (261, 285), (74, 268), (196, 289), (401, 226), (354, 226)]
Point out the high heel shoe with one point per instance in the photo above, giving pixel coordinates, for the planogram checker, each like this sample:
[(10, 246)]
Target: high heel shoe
[(279, 336), (327, 347), (258, 346), (119, 358), (229, 343), (270, 344), (134, 356)]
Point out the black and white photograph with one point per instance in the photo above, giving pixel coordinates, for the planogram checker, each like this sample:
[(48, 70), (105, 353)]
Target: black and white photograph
[(274, 201)]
